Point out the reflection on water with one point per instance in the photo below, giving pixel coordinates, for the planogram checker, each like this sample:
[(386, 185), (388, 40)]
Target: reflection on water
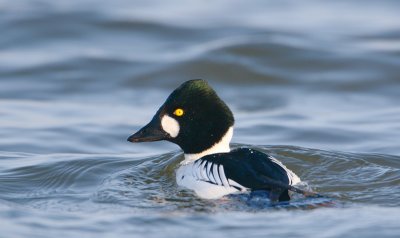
[(315, 84)]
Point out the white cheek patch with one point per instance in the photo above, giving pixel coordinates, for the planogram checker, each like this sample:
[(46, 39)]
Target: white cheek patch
[(170, 125)]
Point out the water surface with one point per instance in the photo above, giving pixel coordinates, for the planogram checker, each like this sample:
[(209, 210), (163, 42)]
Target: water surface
[(314, 84)]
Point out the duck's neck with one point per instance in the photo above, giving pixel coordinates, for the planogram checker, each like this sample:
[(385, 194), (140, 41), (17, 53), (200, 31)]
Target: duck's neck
[(221, 146)]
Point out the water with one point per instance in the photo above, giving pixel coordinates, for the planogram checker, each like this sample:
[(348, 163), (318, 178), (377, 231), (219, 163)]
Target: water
[(315, 84)]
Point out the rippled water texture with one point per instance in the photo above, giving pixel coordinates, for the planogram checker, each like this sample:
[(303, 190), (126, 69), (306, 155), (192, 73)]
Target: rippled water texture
[(316, 84)]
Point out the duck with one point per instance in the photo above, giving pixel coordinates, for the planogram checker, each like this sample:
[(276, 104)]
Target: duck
[(196, 119)]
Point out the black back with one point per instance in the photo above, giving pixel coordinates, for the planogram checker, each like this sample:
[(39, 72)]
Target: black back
[(252, 169)]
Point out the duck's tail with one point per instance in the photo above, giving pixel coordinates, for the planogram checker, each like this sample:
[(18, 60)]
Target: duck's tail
[(278, 187)]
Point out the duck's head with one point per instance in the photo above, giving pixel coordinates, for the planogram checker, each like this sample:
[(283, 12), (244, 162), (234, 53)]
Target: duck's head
[(193, 117)]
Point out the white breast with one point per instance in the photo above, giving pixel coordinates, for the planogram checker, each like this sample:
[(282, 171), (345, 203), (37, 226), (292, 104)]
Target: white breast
[(197, 177)]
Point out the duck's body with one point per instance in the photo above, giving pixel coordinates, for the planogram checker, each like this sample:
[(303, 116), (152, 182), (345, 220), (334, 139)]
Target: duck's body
[(196, 119), (215, 175)]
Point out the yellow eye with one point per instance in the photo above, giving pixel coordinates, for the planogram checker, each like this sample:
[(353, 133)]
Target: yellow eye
[(179, 112)]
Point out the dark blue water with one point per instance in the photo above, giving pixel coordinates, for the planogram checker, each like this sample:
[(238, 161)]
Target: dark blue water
[(314, 83)]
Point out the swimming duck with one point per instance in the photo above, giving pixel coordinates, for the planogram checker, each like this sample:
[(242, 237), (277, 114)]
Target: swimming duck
[(201, 124)]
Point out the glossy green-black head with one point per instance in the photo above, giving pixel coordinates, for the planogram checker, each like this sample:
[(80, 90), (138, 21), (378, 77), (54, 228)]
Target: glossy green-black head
[(193, 117)]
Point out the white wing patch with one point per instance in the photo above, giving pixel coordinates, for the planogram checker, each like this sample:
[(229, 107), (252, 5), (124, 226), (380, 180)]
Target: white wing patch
[(236, 185), (203, 170), (216, 174), (207, 179), (221, 171), (293, 178)]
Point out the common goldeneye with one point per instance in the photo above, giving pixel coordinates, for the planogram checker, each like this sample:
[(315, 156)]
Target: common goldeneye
[(197, 120)]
